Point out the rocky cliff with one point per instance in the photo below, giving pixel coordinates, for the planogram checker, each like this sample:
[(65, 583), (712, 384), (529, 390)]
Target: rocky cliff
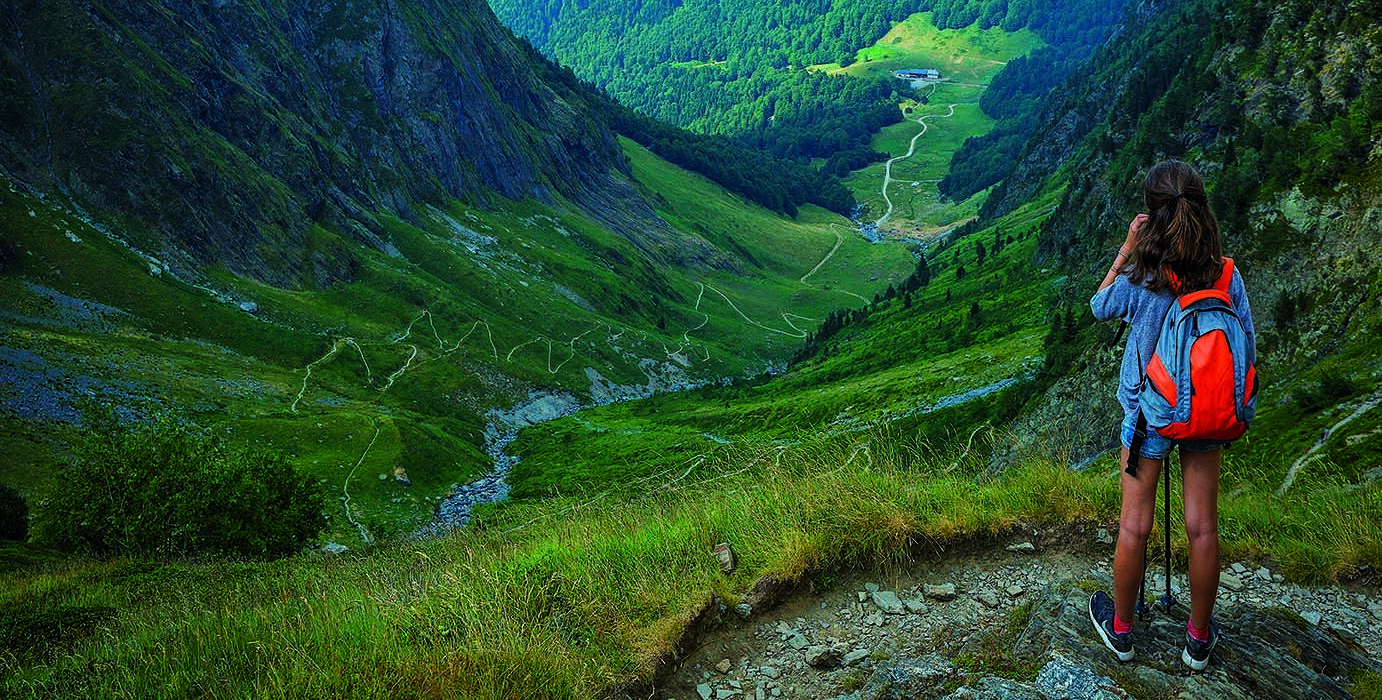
[(235, 132)]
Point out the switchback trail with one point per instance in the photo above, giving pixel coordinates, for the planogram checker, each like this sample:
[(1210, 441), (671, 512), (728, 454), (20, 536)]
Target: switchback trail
[(839, 241)]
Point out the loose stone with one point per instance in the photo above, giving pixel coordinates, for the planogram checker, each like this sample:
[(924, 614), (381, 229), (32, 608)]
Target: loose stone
[(888, 602), (855, 657), (823, 657), (944, 591)]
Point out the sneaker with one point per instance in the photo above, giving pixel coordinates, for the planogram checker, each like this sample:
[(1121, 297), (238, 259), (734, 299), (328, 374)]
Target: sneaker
[(1101, 614), (1196, 654)]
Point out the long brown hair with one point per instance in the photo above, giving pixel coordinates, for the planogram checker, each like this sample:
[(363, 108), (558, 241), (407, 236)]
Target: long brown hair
[(1178, 248)]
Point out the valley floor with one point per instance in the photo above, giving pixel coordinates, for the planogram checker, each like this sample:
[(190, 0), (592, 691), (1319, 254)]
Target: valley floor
[(971, 624)]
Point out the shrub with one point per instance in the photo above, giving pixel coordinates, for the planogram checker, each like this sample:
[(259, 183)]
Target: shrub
[(169, 490), (14, 515)]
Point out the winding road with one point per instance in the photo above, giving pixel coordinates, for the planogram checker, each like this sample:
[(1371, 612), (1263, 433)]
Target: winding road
[(911, 149)]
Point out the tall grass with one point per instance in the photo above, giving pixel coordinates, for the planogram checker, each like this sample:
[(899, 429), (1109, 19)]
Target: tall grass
[(572, 598)]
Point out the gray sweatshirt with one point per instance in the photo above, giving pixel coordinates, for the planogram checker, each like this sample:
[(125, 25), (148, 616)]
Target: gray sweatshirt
[(1144, 311)]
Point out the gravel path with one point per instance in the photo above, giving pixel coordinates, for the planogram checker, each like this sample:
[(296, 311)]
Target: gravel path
[(826, 644)]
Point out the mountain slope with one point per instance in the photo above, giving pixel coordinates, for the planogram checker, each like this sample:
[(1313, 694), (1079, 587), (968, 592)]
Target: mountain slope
[(360, 234), (227, 130), (875, 450)]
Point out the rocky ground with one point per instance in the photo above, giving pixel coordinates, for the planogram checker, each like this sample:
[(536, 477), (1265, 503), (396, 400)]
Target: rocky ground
[(1012, 622)]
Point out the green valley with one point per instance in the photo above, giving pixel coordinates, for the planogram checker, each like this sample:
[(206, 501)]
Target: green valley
[(476, 310), (936, 122), (577, 352)]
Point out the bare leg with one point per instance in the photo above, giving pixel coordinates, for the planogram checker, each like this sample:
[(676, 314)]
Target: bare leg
[(1134, 527), (1200, 481)]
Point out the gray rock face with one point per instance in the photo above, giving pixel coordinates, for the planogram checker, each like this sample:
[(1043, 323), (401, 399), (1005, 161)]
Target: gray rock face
[(996, 689), (1062, 678), (335, 113), (905, 679), (1264, 652), (1269, 647)]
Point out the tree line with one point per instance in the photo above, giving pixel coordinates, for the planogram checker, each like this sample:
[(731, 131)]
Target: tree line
[(741, 68), (780, 184)]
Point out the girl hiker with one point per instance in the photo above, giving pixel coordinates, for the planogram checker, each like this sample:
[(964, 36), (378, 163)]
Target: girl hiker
[(1171, 250)]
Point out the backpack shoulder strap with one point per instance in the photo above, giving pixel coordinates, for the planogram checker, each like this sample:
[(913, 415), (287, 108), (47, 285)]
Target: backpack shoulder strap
[(1226, 278)]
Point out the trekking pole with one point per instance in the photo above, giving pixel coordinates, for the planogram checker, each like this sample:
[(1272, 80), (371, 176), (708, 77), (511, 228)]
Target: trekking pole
[(1144, 612), (1166, 601)]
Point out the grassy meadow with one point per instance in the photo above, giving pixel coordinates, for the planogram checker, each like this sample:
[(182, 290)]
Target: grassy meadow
[(469, 310), (967, 59), (577, 597), (912, 360), (968, 55)]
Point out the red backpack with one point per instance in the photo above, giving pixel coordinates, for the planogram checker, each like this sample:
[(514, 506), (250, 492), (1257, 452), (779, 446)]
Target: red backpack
[(1200, 383)]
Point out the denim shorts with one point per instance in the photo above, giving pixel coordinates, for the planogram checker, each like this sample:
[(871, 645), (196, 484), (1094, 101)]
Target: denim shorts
[(1156, 447)]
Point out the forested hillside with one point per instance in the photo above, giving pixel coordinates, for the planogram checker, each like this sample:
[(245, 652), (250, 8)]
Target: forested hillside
[(780, 184), (745, 68)]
